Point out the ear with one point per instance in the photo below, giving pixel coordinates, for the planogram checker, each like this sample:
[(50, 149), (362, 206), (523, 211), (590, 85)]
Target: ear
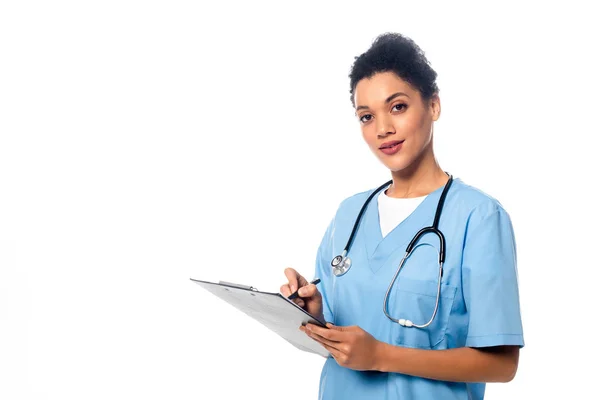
[(435, 107)]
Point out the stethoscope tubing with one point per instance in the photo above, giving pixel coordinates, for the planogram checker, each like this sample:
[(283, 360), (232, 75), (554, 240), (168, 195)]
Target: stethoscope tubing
[(341, 264)]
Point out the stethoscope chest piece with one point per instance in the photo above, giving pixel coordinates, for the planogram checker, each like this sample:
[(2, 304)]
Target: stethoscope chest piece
[(341, 265)]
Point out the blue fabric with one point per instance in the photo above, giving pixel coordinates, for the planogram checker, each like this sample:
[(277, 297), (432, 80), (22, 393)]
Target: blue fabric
[(479, 303)]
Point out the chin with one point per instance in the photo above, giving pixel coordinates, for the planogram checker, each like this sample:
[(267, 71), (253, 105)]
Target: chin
[(395, 165)]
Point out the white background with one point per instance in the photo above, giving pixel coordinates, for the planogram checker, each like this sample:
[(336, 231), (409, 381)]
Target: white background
[(145, 143)]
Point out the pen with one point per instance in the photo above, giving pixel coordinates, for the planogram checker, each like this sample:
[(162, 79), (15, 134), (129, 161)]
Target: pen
[(295, 294)]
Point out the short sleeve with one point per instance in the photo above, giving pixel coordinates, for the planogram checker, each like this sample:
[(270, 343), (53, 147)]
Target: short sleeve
[(490, 280), (323, 271)]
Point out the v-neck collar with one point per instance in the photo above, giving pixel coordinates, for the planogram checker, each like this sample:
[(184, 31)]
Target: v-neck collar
[(380, 248)]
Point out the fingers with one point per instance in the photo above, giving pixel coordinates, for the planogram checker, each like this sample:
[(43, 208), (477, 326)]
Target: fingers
[(331, 346), (328, 334), (286, 291), (295, 280), (337, 355), (308, 291), (337, 328), (321, 339), (292, 277)]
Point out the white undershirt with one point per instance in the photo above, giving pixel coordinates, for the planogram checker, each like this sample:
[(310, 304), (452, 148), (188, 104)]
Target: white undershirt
[(392, 211)]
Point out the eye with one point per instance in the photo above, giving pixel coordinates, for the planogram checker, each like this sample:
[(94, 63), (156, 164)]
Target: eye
[(400, 105), (366, 115)]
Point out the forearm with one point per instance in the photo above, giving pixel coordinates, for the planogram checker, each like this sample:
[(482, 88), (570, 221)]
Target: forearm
[(463, 364)]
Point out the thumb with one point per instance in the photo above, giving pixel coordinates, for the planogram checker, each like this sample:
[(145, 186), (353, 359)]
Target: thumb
[(308, 291), (349, 328)]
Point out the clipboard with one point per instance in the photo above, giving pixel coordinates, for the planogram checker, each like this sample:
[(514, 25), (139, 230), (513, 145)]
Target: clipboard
[(272, 310)]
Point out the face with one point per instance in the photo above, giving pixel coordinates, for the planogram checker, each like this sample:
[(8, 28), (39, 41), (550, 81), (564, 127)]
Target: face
[(395, 123)]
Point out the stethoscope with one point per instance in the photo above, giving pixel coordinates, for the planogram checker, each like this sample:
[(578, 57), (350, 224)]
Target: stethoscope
[(341, 263)]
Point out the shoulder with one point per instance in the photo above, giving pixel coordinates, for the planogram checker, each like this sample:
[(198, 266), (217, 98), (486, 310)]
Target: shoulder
[(358, 198), (352, 204), (347, 212), (472, 203), (344, 218)]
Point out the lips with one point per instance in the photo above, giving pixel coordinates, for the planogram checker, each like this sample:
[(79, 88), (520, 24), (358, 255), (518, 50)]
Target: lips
[(391, 148), (391, 144)]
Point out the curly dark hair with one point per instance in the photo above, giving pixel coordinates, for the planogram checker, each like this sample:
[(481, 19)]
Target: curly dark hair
[(393, 52)]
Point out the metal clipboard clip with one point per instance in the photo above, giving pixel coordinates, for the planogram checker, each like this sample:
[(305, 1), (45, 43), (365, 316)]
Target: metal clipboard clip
[(236, 285)]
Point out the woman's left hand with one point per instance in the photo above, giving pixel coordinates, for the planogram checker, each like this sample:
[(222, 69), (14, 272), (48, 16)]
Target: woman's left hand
[(351, 346)]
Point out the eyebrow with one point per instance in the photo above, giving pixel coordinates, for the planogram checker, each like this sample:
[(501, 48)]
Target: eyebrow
[(392, 97)]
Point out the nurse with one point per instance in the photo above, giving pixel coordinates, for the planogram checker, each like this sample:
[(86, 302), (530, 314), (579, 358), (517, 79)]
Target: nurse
[(476, 331)]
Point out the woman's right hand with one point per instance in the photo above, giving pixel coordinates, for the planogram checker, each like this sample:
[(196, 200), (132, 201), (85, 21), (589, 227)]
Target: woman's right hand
[(309, 296)]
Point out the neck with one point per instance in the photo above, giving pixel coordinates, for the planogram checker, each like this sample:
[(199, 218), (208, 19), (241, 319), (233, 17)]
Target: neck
[(419, 179)]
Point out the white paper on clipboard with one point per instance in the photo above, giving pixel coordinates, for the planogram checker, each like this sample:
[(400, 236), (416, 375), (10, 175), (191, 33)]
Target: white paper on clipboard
[(273, 310)]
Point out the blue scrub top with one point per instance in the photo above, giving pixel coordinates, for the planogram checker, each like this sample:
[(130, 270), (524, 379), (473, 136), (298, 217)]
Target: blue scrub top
[(479, 304)]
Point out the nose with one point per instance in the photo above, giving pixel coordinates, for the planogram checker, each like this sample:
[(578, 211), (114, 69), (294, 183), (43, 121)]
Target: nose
[(385, 127)]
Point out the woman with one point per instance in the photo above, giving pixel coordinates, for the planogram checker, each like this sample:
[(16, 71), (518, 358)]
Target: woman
[(442, 329)]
